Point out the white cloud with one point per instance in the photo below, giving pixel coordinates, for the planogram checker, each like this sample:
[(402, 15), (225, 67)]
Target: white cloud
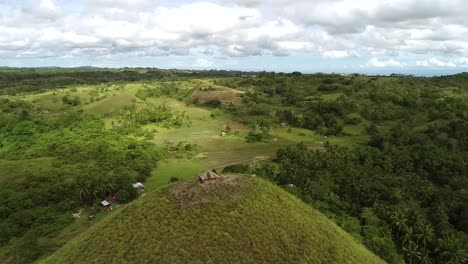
[(336, 54), (133, 4), (47, 9), (334, 29), (375, 62), (463, 61), (435, 63)]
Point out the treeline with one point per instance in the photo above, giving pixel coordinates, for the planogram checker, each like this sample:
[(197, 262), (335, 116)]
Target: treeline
[(35, 80), (328, 103), (82, 162), (25, 80)]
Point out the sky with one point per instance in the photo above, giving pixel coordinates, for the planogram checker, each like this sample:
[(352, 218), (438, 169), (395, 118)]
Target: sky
[(421, 37)]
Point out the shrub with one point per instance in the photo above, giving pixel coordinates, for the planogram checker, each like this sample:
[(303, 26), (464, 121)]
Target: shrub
[(174, 179), (215, 103), (236, 168)]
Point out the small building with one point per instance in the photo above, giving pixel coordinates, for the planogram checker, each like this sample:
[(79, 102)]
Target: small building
[(138, 185), (207, 176), (108, 203)]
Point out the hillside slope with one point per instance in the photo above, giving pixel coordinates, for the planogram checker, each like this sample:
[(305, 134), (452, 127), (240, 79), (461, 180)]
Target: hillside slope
[(230, 220)]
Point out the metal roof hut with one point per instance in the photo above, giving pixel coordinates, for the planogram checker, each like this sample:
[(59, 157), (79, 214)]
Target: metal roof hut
[(138, 185), (207, 176)]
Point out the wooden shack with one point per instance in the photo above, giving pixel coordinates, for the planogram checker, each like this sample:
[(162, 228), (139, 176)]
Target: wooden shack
[(207, 176)]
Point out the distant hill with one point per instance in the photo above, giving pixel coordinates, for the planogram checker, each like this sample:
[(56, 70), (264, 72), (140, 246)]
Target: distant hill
[(234, 219)]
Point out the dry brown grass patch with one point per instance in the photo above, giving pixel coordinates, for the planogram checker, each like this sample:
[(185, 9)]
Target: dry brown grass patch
[(229, 188)]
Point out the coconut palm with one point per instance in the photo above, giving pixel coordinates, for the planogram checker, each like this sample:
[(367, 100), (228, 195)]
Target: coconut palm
[(425, 258), (412, 252), (399, 220), (425, 233)]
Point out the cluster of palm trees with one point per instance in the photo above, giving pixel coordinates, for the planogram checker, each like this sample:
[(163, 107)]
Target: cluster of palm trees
[(89, 188), (417, 241)]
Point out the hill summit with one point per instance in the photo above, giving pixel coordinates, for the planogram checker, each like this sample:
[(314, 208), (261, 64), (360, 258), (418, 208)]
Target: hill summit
[(226, 219)]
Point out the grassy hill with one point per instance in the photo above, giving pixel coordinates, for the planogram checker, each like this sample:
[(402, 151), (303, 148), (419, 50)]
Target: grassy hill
[(230, 220)]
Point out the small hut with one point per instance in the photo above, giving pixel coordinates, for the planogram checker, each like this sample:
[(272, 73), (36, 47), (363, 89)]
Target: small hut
[(207, 176), (108, 203), (138, 185)]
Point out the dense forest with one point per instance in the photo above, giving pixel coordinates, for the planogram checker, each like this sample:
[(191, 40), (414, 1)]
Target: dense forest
[(392, 169), (70, 160), (404, 190)]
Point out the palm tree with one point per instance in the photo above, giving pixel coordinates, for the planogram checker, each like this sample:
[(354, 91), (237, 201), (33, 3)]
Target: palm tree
[(82, 190), (408, 237), (400, 221), (412, 252), (459, 256), (101, 186), (425, 233), (425, 258), (453, 251), (81, 187)]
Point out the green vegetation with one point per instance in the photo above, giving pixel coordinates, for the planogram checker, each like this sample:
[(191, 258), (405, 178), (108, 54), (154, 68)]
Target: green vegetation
[(52, 165), (383, 157), (179, 168), (223, 222)]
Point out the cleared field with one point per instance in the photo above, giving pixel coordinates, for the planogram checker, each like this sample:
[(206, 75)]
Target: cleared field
[(224, 96), (111, 104), (16, 170), (180, 168)]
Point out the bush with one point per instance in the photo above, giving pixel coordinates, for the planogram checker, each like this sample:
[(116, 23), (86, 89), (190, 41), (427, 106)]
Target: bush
[(174, 179), (254, 136), (215, 103), (236, 168), (71, 101), (355, 120), (122, 195)]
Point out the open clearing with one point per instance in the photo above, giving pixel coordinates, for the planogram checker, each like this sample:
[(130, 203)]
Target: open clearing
[(16, 170), (180, 168)]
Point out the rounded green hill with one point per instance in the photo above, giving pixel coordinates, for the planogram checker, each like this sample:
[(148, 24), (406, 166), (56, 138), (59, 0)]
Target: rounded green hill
[(233, 219)]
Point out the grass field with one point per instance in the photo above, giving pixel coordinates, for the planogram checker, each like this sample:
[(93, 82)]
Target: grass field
[(15, 170), (180, 168)]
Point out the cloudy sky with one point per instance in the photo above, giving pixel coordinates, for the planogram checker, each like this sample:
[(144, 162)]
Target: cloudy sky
[(372, 36)]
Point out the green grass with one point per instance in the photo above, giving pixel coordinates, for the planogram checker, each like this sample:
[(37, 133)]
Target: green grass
[(195, 113), (247, 221), (348, 140), (297, 135), (111, 104), (331, 97), (355, 130), (180, 168), (15, 170)]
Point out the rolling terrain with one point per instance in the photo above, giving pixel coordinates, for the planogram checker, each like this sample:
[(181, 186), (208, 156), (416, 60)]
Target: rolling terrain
[(382, 157), (222, 221)]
